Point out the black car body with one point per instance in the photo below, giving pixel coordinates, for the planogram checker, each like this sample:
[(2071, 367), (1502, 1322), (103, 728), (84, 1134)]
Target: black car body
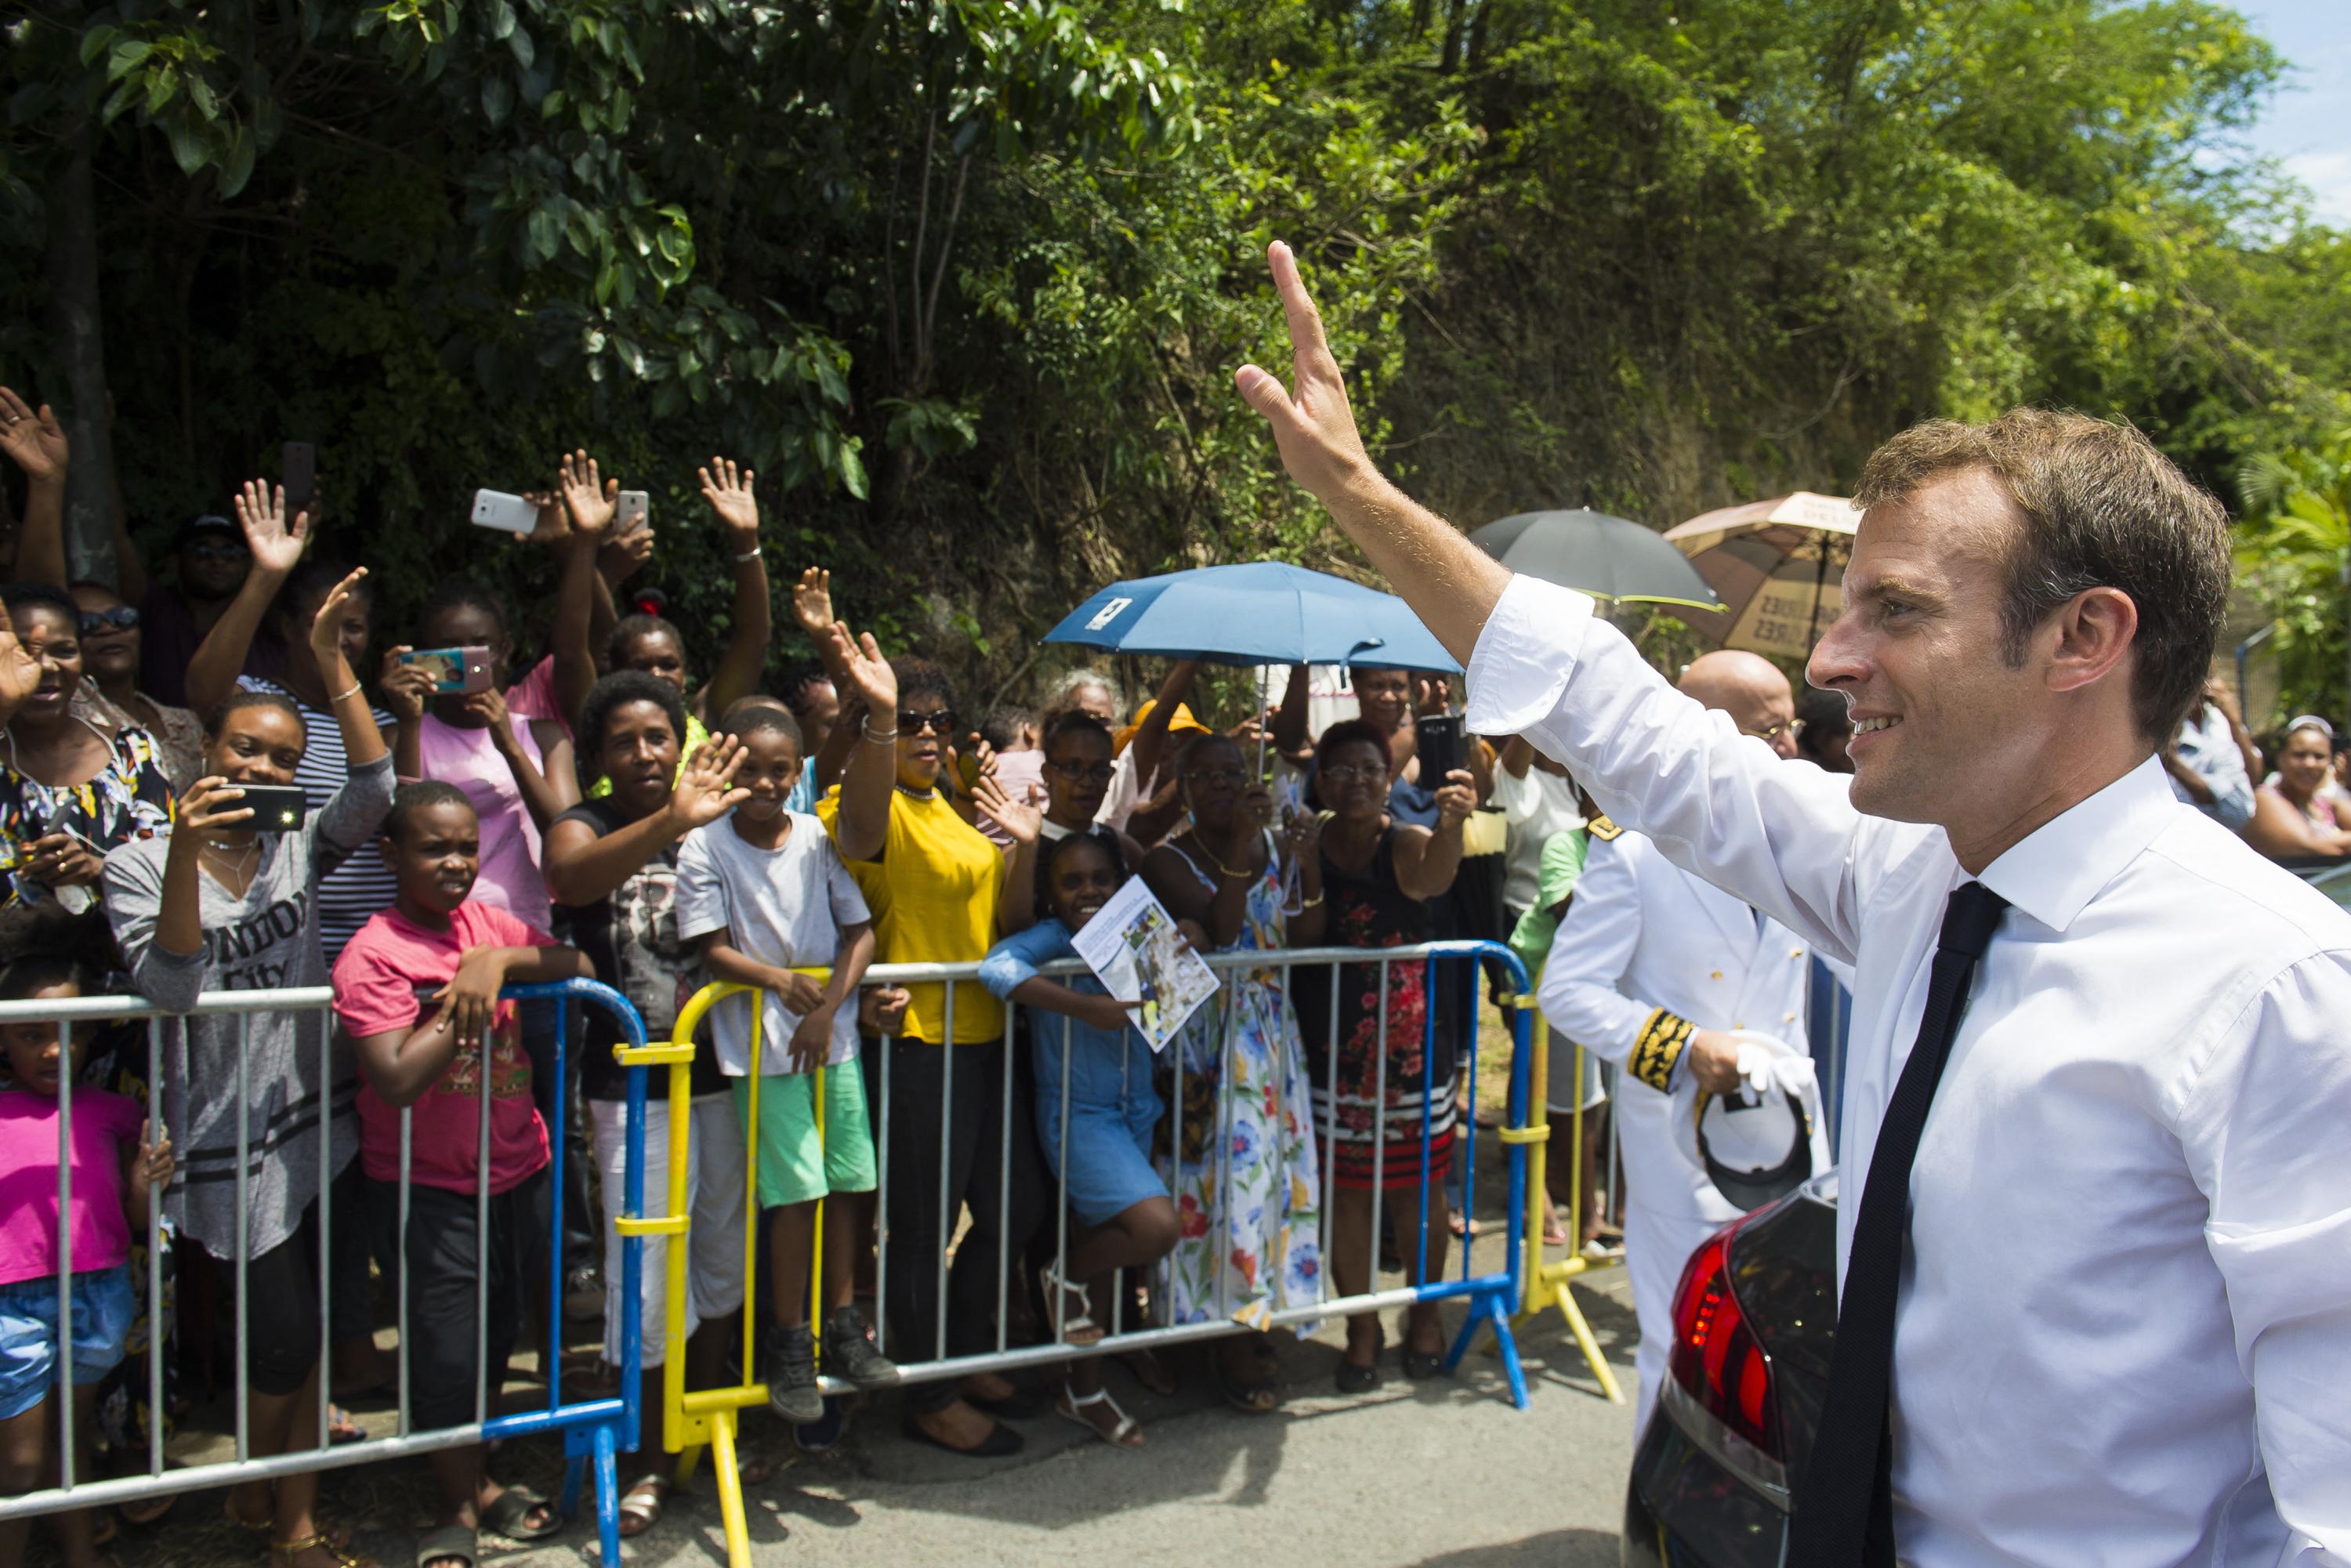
[(1754, 1321)]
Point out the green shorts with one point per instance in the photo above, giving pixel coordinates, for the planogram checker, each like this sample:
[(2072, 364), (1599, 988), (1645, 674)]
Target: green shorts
[(796, 1164)]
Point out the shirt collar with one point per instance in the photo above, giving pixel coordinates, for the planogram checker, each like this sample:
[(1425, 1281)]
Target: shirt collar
[(2054, 872)]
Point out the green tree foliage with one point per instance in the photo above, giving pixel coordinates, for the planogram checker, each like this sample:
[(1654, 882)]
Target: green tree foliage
[(2294, 557), (966, 279)]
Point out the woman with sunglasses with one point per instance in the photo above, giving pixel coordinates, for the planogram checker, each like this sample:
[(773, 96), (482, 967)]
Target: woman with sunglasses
[(936, 885), (110, 697)]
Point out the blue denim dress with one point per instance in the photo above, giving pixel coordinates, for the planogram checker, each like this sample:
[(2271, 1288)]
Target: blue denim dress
[(1106, 1167)]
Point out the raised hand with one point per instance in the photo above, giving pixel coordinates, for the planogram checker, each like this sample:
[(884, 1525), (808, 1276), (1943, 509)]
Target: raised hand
[(212, 803), (1457, 799), (35, 442), (405, 688), (587, 496), (551, 527), (619, 559), (20, 672), (706, 791), (812, 603), (1021, 821), (728, 491), (1312, 424), (261, 513), (327, 626), (870, 676)]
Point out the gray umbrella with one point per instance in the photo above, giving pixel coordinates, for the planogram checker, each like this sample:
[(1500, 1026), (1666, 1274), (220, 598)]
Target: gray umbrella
[(1613, 558)]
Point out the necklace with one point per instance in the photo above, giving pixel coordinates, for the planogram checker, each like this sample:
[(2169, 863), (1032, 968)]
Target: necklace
[(914, 794), (1217, 863), (224, 870)]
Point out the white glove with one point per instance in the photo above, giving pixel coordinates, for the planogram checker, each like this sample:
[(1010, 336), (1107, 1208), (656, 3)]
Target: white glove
[(1765, 1064)]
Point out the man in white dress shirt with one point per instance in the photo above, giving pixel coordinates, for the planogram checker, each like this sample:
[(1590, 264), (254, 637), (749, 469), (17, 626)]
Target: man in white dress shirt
[(1653, 969), (2107, 1280)]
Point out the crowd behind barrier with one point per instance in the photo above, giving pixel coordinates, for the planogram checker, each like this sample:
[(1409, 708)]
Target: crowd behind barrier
[(281, 862)]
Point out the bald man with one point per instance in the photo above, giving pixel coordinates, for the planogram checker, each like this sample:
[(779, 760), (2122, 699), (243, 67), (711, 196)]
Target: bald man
[(1653, 970)]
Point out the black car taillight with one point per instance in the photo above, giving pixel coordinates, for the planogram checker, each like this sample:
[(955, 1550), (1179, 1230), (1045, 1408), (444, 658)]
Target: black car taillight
[(1718, 1377)]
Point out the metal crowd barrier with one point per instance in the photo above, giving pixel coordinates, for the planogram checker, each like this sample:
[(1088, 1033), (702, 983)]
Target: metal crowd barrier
[(697, 1417), (1547, 1282), (595, 1429)]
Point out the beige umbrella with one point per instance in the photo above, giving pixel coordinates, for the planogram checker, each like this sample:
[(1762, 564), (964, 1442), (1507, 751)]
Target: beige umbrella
[(1777, 565)]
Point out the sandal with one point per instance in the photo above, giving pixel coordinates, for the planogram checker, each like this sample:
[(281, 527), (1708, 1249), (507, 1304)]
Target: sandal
[(641, 1505), (1254, 1397), (1079, 1329), (320, 1541), (342, 1428), (510, 1515), (451, 1542), (1127, 1433), (339, 1536)]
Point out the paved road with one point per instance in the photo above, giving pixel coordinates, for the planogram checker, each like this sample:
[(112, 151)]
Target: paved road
[(1442, 1475)]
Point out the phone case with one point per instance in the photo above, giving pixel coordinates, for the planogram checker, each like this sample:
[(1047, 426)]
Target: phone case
[(636, 506), (510, 514)]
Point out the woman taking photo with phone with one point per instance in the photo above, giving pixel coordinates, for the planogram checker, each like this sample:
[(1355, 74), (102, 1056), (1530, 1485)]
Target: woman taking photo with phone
[(227, 904)]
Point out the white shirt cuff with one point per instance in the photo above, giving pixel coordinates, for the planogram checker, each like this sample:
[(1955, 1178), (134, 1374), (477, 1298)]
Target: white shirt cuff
[(1525, 655)]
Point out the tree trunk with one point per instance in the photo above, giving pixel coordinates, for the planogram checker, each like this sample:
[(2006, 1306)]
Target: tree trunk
[(73, 287)]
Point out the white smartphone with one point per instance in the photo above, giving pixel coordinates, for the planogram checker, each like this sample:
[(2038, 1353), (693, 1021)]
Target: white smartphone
[(510, 514), (636, 506)]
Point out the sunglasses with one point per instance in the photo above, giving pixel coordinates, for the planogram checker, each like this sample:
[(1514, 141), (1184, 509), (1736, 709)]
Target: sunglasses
[(122, 618), (1100, 772), (938, 721)]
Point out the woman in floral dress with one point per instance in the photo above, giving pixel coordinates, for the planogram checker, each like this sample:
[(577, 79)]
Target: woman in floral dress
[(1388, 1107), (1248, 1199)]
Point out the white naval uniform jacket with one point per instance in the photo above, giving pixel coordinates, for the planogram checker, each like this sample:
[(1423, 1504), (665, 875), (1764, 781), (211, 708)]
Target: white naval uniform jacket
[(2123, 1338), (1646, 953)]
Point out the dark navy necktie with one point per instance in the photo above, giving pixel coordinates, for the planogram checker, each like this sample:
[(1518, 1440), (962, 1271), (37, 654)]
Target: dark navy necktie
[(1843, 1515)]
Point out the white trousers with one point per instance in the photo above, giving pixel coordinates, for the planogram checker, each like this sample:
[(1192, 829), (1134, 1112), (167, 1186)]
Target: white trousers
[(714, 1187), (1657, 1246)]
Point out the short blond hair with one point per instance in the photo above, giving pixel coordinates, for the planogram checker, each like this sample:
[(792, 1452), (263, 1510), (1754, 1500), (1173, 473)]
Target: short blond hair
[(2103, 508)]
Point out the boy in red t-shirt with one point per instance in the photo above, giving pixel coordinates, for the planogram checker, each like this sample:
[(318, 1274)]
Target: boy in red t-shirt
[(418, 990)]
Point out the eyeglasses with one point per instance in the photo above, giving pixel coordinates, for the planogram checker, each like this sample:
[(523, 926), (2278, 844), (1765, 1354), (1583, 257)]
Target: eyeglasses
[(1219, 777), (939, 721), (1100, 773), (122, 618), (1346, 774), (1792, 726)]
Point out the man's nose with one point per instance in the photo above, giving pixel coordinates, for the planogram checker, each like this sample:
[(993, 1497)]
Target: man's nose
[(1837, 659)]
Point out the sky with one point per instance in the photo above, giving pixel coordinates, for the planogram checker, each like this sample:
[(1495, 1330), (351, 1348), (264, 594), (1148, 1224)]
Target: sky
[(2307, 127)]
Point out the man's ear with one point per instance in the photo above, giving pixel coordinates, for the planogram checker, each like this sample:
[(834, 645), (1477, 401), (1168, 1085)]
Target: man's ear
[(2095, 632)]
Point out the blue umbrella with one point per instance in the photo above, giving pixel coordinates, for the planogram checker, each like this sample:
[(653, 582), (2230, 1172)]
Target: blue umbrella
[(1260, 612)]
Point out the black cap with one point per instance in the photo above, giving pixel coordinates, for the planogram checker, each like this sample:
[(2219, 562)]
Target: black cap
[(1751, 1188), (209, 523)]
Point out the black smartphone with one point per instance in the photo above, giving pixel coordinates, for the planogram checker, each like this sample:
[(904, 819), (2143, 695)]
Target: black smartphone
[(300, 466), (277, 807), (967, 762), (1436, 742)]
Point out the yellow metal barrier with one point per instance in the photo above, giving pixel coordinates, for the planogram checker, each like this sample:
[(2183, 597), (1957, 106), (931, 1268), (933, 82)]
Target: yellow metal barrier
[(1547, 1282), (693, 1419)]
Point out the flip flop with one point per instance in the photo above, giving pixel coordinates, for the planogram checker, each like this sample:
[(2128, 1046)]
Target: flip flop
[(510, 1515), (451, 1541), (642, 1504)]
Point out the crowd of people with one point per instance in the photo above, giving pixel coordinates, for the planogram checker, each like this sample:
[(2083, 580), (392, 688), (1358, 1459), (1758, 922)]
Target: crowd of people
[(231, 777)]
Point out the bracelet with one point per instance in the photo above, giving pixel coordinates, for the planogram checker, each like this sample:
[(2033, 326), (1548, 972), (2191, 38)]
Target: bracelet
[(888, 737), (341, 696), (751, 554), (1307, 904)]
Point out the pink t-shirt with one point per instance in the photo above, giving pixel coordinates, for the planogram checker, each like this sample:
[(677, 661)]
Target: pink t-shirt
[(533, 696), (102, 1123), (510, 850), (384, 982)]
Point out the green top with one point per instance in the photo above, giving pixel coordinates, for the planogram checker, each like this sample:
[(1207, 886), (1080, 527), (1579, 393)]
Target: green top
[(1562, 863)]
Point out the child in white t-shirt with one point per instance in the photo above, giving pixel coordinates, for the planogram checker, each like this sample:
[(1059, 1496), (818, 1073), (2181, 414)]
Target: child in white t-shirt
[(764, 894)]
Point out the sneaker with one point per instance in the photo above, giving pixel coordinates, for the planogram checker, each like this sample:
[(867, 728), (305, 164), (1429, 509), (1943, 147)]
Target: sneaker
[(850, 1353), (792, 1375)]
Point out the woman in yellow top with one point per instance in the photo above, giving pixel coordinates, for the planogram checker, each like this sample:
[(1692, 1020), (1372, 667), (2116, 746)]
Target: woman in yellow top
[(934, 885)]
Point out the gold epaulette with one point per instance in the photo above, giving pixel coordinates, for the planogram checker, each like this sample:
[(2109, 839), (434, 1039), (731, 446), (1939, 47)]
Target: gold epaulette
[(1657, 1047)]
